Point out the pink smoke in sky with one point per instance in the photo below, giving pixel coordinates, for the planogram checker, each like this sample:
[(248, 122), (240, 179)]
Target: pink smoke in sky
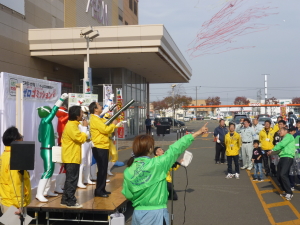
[(235, 19)]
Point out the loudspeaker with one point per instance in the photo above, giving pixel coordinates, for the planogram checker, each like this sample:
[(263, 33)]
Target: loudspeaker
[(22, 155), (161, 129)]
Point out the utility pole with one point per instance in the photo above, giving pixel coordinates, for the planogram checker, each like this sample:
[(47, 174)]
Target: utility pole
[(266, 90), (173, 86), (197, 99), (259, 99)]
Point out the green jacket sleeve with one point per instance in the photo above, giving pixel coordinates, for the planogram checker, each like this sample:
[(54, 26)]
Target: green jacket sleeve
[(52, 114), (285, 141), (126, 192), (175, 150)]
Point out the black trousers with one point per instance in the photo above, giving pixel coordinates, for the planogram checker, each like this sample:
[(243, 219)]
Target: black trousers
[(72, 174), (266, 159), (283, 170), (148, 130), (101, 157), (169, 186), (236, 163), (220, 149)]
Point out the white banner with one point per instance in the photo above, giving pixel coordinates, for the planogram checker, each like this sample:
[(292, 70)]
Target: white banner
[(30, 116), (89, 98), (107, 90), (34, 89)]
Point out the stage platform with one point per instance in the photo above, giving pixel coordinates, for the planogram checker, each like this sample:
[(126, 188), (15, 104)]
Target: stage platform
[(91, 204)]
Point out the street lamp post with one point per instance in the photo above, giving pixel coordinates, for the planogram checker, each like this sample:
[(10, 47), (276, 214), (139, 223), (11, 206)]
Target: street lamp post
[(173, 86), (197, 99), (89, 34)]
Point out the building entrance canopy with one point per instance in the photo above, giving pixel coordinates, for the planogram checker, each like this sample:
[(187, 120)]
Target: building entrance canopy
[(147, 50)]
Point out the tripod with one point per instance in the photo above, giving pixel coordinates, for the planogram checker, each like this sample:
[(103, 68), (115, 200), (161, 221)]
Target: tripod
[(172, 192), (22, 197)]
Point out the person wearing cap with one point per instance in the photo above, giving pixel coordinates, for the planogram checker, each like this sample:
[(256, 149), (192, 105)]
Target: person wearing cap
[(158, 151), (286, 151)]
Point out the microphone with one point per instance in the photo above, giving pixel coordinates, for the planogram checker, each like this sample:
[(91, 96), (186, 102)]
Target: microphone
[(175, 164)]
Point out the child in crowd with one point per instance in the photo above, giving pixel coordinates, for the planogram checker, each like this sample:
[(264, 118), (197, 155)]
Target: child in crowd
[(257, 161), (158, 151)]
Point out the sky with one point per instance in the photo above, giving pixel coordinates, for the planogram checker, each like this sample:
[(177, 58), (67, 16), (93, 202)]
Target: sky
[(274, 50)]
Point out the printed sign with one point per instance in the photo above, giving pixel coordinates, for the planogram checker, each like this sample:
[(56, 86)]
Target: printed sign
[(99, 10), (75, 97), (122, 115), (34, 89), (107, 91)]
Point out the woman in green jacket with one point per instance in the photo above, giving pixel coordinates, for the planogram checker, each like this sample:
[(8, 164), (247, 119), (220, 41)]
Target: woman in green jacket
[(287, 152), (145, 178)]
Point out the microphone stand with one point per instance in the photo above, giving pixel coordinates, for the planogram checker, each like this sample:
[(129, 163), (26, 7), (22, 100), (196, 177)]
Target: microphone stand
[(172, 190), (22, 198)]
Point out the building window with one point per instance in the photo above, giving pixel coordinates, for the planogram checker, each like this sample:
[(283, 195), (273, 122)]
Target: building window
[(130, 4), (126, 23), (120, 18), (135, 8)]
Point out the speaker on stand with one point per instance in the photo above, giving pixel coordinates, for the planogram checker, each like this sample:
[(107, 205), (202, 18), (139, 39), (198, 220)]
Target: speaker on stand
[(21, 159)]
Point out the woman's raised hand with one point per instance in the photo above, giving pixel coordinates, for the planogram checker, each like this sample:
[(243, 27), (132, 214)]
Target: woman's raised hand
[(202, 130)]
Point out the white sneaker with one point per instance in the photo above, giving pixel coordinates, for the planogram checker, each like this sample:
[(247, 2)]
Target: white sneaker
[(292, 188), (288, 197), (229, 176), (244, 167), (237, 176), (107, 181), (249, 168)]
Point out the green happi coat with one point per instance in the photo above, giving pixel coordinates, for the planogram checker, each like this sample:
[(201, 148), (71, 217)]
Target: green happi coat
[(145, 180)]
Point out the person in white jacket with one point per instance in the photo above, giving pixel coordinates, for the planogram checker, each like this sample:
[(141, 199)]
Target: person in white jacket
[(257, 128), (86, 157)]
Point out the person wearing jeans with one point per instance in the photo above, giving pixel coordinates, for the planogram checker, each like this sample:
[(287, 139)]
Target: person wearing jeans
[(286, 149), (219, 134), (233, 143), (72, 139), (257, 161)]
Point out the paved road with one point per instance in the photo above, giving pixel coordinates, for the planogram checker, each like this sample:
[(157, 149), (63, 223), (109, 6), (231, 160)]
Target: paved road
[(211, 199)]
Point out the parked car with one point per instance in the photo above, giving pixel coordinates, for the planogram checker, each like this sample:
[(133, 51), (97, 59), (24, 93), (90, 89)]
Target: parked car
[(238, 117), (262, 121), (186, 119), (213, 118), (262, 115), (168, 121), (200, 118)]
